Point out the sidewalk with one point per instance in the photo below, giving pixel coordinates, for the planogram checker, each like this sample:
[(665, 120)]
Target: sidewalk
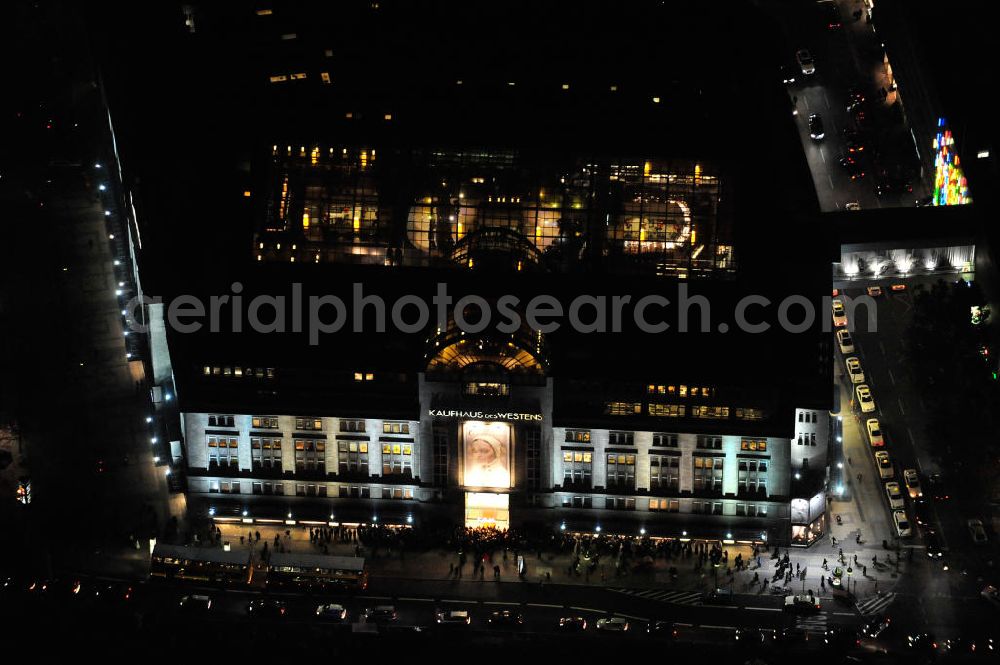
[(552, 568)]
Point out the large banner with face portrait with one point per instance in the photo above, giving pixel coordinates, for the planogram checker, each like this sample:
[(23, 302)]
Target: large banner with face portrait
[(487, 453)]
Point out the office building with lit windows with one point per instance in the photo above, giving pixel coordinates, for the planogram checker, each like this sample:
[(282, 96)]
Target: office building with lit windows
[(612, 168)]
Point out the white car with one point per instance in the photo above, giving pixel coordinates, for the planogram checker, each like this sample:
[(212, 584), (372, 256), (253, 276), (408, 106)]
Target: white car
[(853, 206), (884, 464), (895, 495), (331, 612), (875, 433), (613, 624), (902, 524), (802, 604), (845, 342), (839, 314), (912, 480), (854, 370), (454, 617), (977, 531), (806, 62), (865, 399)]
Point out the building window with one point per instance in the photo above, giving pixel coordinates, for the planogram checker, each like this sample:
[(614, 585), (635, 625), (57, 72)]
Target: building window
[(440, 453), (264, 422), (578, 502), (709, 443), (664, 472), (397, 459), (229, 487), (711, 412), (667, 410), (257, 488), (754, 445), (221, 421), (665, 440), (753, 476), (746, 413), (353, 457), (577, 468), (266, 453), (621, 438), (578, 436), (402, 493), (665, 505), (707, 474), (486, 389), (751, 510), (621, 471), (395, 428), (623, 408), (364, 376), (310, 455), (309, 424), (619, 503), (533, 457), (352, 425), (812, 438), (223, 452)]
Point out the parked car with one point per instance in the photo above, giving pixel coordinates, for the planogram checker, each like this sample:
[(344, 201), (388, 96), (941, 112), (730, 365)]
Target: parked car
[(912, 480), (991, 595), (874, 291), (902, 524), (874, 433), (865, 399), (854, 370), (884, 464), (788, 74), (976, 531), (894, 494), (839, 313), (845, 341)]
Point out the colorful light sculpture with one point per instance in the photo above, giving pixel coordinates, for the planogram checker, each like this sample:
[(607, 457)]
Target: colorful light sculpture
[(950, 185)]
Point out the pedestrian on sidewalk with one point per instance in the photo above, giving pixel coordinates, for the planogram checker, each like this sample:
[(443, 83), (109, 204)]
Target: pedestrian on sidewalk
[(864, 570), (875, 559), (859, 477)]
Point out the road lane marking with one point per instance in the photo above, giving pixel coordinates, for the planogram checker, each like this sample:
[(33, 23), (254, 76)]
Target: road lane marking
[(465, 602), (764, 609), (378, 597), (499, 602), (709, 625), (417, 600), (913, 442), (844, 614), (830, 179), (822, 155), (892, 378), (901, 409), (881, 347), (551, 607)]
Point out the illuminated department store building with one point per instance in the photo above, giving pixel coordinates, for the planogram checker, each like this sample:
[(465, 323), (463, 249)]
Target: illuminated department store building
[(512, 429)]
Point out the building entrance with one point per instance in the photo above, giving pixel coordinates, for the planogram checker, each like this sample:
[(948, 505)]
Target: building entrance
[(487, 509)]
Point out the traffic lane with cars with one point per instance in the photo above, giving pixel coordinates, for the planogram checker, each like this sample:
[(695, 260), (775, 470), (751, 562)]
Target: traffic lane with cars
[(903, 426)]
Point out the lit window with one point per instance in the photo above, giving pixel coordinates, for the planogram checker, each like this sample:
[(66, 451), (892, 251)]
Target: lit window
[(264, 12), (325, 76), (277, 78), (246, 193)]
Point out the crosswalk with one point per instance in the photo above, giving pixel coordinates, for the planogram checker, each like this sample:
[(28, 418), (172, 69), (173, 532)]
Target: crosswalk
[(663, 596), (876, 604)]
